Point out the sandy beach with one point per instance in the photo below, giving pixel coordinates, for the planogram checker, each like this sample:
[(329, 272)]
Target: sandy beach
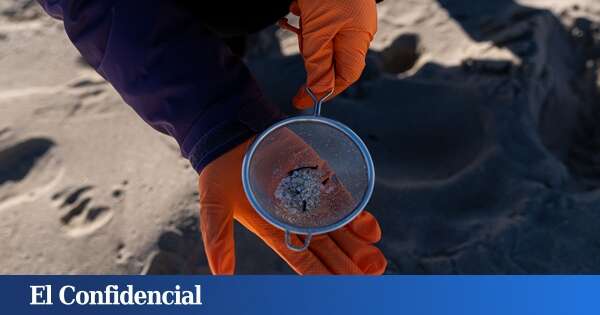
[(482, 119)]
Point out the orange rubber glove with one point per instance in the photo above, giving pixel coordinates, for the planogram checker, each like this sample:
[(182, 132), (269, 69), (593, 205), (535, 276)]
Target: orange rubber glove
[(334, 38), (348, 250)]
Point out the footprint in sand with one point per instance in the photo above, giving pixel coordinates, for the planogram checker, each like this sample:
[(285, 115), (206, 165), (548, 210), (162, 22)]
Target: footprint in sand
[(178, 251), (85, 97), (79, 213), (18, 160), (5, 132), (28, 169), (402, 54)]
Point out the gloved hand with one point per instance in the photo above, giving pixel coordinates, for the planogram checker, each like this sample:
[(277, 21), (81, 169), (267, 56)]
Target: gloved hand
[(334, 37), (348, 250)]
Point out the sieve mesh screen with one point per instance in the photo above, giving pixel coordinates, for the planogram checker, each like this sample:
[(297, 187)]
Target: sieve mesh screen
[(308, 174)]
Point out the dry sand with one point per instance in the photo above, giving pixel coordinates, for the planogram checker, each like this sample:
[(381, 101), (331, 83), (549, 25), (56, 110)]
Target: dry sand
[(482, 120)]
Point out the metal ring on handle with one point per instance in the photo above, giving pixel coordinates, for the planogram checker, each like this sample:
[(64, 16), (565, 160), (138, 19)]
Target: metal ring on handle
[(290, 229), (318, 102), (317, 112), (265, 214), (288, 242)]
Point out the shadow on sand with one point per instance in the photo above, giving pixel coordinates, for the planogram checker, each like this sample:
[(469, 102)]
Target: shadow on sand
[(475, 163)]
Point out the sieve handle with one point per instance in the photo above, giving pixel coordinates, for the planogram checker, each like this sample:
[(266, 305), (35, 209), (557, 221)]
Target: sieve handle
[(288, 242), (318, 102)]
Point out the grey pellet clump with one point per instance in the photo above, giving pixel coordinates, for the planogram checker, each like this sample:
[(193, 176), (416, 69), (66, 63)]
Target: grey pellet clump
[(300, 191)]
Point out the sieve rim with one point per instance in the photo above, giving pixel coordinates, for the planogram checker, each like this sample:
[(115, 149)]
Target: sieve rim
[(309, 230)]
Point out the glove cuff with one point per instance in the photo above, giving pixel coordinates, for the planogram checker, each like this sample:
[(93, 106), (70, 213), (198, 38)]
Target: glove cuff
[(251, 119)]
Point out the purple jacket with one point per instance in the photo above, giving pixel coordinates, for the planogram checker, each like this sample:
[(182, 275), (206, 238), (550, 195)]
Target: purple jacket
[(176, 74)]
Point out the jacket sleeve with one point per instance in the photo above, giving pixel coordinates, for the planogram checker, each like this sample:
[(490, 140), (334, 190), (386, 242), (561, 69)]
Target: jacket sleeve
[(178, 76)]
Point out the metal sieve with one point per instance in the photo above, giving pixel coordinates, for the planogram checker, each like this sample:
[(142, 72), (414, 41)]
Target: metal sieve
[(308, 155)]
